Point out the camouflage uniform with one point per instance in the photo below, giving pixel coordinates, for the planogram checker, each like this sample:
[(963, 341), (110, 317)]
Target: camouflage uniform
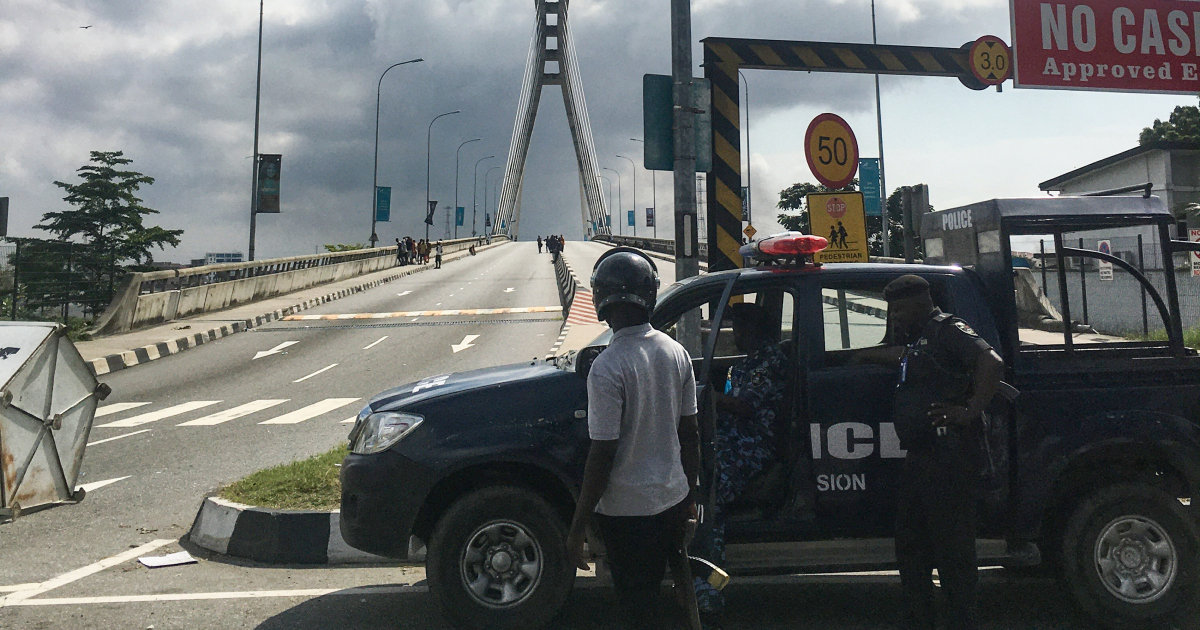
[(744, 448)]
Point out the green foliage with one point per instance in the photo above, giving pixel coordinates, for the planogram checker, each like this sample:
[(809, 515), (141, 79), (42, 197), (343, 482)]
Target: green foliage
[(342, 247), (310, 484), (1182, 126), (107, 213)]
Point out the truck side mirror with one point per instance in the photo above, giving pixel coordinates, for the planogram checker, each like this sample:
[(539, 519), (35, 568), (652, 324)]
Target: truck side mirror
[(583, 362)]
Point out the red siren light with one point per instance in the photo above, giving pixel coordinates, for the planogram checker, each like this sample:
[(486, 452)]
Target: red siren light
[(792, 244)]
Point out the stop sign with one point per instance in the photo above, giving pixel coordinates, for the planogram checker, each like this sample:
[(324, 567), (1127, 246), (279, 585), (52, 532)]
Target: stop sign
[(836, 207)]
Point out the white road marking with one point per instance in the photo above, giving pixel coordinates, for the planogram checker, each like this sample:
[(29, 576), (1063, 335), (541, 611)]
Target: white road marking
[(510, 289), (233, 414), (119, 437), (376, 343), (466, 343), (275, 350), (95, 485), (305, 378), (438, 304), (117, 408), (79, 574), (177, 597), (155, 416), (403, 294), (311, 411), (349, 420), (12, 588)]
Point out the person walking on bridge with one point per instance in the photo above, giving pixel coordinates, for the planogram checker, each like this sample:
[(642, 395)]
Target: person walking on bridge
[(644, 461), (438, 256), (539, 244)]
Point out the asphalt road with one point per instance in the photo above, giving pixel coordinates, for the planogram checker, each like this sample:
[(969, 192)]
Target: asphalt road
[(84, 555)]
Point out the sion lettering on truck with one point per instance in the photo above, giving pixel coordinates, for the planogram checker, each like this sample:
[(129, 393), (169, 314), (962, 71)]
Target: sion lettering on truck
[(841, 483), (855, 440)]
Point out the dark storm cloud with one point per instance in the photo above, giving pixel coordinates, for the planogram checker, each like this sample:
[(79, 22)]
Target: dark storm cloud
[(172, 84)]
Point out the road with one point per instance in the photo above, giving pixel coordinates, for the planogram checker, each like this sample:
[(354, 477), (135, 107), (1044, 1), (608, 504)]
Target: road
[(178, 428)]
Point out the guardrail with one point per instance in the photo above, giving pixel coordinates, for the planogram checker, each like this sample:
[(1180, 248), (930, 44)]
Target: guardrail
[(660, 245), (147, 298), (566, 283)]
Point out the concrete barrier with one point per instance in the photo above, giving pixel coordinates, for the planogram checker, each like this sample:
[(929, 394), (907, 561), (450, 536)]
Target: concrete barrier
[(660, 245), (148, 298)]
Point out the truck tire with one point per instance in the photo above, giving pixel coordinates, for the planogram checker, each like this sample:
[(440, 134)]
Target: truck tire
[(1129, 558), (497, 560)]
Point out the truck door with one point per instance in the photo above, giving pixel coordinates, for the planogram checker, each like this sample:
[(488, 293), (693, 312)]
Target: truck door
[(855, 452)]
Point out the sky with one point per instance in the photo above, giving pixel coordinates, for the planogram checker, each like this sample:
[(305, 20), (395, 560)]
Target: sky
[(171, 83)]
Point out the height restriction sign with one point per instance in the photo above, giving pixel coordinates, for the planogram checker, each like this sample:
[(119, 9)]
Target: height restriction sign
[(832, 150), (839, 217)]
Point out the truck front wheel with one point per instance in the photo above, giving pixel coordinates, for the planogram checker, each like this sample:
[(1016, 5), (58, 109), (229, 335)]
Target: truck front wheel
[(497, 559), (1129, 557)]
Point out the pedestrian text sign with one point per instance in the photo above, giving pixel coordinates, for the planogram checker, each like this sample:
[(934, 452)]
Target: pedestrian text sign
[(1109, 45), (383, 204), (269, 166), (460, 215), (1105, 267), (991, 60), (840, 218), (831, 150), (1194, 236), (868, 183)]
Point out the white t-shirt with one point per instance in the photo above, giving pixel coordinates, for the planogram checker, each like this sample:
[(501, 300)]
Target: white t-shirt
[(637, 390)]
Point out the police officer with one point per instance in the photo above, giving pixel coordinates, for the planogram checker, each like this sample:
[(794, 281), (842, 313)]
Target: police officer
[(745, 437), (948, 375), (644, 460)]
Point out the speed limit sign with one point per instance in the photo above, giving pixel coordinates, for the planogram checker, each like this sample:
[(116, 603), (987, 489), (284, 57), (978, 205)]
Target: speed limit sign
[(832, 150)]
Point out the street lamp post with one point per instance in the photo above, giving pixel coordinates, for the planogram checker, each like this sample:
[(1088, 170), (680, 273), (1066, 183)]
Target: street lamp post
[(375, 177), (620, 207), (653, 191), (457, 155), (610, 187), (254, 176), (634, 167), (749, 186), (475, 189), (428, 144), (475, 208), (883, 192)]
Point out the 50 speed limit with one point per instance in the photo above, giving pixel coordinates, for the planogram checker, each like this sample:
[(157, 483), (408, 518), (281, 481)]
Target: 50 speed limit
[(831, 150)]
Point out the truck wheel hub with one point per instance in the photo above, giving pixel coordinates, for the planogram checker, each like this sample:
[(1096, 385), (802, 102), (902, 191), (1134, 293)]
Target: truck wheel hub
[(1135, 559), (501, 564)]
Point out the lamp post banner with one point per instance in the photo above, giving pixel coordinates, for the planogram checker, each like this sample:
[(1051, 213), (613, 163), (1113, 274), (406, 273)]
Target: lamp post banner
[(460, 214), (269, 165), (1108, 45), (632, 219), (383, 204)]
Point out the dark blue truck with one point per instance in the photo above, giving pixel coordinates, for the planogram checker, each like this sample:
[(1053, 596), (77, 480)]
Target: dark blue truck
[(1089, 469)]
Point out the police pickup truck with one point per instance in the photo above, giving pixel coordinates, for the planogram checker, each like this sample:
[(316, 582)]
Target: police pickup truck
[(1090, 469)]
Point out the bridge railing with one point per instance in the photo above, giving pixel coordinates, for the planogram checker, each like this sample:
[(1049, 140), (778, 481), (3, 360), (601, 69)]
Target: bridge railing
[(660, 245), (147, 298)]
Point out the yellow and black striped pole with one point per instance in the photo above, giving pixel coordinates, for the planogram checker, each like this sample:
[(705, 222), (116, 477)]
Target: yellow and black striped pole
[(724, 56)]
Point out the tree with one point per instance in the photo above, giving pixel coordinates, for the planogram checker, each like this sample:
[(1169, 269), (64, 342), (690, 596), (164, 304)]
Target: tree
[(1182, 126), (108, 214), (342, 247)]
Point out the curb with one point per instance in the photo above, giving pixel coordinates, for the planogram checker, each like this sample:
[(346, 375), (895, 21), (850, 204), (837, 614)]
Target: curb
[(145, 354), (274, 536)]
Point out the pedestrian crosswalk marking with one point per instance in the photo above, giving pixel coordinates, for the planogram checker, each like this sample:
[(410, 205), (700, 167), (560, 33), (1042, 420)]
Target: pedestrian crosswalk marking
[(233, 414), (435, 313), (311, 411), (161, 414), (117, 408)]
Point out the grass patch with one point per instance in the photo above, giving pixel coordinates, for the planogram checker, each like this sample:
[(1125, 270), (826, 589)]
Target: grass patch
[(309, 484), (1191, 337)]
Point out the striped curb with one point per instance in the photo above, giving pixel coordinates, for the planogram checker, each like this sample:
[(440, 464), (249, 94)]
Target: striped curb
[(274, 536), (873, 311), (145, 354)]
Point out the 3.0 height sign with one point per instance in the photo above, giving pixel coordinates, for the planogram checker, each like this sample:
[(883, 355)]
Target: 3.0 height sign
[(1118, 45)]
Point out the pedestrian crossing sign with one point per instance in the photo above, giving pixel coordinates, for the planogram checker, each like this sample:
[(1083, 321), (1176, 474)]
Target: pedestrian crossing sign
[(841, 219)]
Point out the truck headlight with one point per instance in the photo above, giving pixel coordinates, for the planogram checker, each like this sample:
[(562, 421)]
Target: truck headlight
[(383, 429)]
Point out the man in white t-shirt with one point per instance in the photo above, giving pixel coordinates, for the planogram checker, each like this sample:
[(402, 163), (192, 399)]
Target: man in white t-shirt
[(644, 461)]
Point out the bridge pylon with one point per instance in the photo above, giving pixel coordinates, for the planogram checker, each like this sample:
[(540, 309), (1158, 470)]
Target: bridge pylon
[(552, 61)]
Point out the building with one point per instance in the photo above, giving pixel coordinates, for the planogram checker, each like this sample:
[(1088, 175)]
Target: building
[(220, 258)]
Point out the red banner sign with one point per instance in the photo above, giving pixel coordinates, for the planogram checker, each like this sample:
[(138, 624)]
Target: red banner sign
[(1115, 45)]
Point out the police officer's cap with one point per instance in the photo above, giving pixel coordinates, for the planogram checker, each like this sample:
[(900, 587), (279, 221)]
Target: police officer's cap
[(751, 315), (624, 275), (905, 287)]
